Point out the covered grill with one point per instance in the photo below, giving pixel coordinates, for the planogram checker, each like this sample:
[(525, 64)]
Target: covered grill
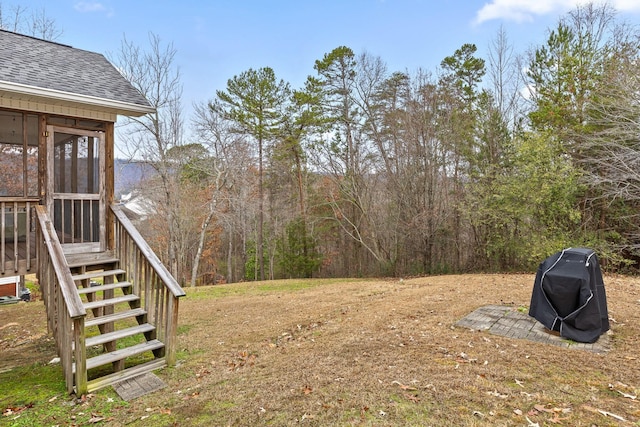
[(569, 297)]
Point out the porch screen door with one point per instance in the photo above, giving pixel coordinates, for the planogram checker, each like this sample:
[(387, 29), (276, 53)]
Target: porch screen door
[(76, 202)]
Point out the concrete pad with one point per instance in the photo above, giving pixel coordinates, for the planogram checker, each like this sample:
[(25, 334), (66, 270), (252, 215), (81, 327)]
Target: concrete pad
[(509, 322)]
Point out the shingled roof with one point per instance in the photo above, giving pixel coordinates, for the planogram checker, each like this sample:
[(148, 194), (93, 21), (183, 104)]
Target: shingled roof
[(36, 67)]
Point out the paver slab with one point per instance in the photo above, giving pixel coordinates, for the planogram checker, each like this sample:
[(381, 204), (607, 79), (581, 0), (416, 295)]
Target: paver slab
[(138, 386), (509, 322)]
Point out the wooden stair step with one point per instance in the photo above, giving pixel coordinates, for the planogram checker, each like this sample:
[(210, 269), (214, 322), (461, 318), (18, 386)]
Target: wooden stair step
[(95, 274), (91, 259), (122, 333), (125, 374), (92, 289), (110, 301), (121, 315), (122, 353)]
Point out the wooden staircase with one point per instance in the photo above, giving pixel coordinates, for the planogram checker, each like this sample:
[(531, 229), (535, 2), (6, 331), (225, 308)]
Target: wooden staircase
[(113, 314), (120, 342)]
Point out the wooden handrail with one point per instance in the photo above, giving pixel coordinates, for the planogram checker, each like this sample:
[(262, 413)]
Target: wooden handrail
[(65, 311), (69, 291), (19, 199), (150, 278), (159, 268)]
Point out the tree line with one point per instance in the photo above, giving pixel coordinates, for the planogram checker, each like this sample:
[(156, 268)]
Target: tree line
[(485, 164)]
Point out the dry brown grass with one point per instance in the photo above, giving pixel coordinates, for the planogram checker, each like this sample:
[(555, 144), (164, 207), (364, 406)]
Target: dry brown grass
[(385, 352)]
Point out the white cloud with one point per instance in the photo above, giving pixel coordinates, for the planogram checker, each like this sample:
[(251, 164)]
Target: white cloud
[(84, 6), (527, 10), (93, 7)]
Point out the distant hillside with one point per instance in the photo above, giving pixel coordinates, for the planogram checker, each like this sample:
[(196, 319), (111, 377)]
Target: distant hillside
[(129, 174)]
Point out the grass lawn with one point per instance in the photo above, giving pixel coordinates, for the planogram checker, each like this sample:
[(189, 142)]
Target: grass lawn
[(344, 353)]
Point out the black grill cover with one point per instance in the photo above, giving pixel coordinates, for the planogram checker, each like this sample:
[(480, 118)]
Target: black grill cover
[(568, 295)]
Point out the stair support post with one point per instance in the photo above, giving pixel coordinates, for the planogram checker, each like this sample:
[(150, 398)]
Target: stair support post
[(171, 330), (80, 356)]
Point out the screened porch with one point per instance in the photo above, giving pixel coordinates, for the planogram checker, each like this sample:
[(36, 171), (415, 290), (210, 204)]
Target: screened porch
[(56, 162)]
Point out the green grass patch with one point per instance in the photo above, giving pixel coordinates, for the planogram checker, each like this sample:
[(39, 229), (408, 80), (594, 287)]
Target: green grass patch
[(36, 395), (260, 288), (184, 329)]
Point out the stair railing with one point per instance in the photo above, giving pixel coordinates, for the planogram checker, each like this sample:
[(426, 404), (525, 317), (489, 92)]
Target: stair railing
[(150, 279), (65, 312)]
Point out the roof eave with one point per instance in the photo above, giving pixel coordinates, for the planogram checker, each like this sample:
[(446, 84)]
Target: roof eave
[(120, 107)]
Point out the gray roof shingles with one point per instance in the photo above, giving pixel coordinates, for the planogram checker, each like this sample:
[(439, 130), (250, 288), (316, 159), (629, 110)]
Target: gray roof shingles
[(48, 65)]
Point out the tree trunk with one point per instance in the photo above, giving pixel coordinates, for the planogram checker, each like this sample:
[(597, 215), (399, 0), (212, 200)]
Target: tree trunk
[(201, 239), (259, 253)]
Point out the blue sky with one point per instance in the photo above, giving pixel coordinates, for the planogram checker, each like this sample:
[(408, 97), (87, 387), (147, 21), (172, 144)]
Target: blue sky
[(218, 39)]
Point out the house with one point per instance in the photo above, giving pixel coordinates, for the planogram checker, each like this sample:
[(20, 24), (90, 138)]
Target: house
[(136, 206), (10, 286), (58, 220)]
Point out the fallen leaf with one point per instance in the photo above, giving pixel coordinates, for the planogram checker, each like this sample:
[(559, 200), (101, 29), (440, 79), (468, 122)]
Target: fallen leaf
[(404, 387), (414, 399), (95, 419), (605, 413), (16, 410), (531, 423), (557, 420), (612, 415), (496, 394), (628, 396), (617, 386)]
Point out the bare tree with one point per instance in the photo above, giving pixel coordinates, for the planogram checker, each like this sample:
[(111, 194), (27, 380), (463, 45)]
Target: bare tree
[(230, 194), (506, 79), (42, 26), (613, 167), (12, 17), (15, 18), (151, 137)]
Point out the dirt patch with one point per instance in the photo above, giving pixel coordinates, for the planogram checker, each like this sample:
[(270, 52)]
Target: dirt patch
[(23, 335)]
